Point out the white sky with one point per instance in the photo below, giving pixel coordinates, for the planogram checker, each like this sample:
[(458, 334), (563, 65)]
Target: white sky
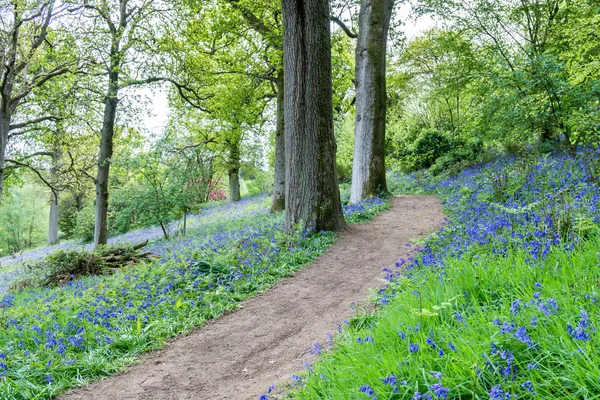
[(159, 102)]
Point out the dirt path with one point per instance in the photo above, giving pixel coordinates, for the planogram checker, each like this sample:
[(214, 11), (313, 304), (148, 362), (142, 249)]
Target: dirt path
[(239, 355)]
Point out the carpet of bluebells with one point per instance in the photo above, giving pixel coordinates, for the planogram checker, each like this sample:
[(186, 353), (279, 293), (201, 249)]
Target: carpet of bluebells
[(55, 338), (502, 303)]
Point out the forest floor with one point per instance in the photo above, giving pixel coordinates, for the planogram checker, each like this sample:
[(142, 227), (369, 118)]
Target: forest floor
[(267, 339)]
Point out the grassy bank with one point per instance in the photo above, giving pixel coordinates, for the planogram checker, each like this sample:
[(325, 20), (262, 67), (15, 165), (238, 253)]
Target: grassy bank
[(500, 304), (55, 338)]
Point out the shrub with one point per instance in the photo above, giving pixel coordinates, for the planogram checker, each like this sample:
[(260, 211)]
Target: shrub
[(423, 152), (84, 226)]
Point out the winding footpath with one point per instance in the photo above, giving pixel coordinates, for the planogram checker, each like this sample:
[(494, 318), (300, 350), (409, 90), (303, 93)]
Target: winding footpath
[(267, 339)]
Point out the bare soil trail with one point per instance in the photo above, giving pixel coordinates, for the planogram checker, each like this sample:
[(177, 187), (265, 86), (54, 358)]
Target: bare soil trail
[(266, 340)]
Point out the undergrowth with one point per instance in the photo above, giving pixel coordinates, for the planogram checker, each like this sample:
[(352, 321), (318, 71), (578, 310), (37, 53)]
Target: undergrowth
[(502, 303), (54, 338)]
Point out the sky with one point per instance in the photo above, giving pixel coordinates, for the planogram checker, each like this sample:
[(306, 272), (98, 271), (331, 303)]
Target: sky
[(159, 102)]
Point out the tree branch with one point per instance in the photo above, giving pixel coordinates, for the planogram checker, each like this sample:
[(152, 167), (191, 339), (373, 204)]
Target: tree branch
[(31, 122), (193, 146), (18, 164), (182, 89), (341, 24)]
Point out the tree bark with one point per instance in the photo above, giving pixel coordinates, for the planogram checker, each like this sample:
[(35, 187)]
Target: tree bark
[(54, 197), (4, 127), (312, 193), (279, 179), (53, 223), (368, 169), (106, 151), (234, 171)]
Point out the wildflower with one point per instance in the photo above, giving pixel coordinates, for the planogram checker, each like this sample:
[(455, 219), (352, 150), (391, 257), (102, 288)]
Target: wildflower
[(440, 391), (507, 327), (436, 375), (528, 386), (316, 349), (413, 348), (532, 366), (451, 346), (533, 321), (402, 335), (430, 342), (521, 335), (389, 380), (366, 389), (515, 307)]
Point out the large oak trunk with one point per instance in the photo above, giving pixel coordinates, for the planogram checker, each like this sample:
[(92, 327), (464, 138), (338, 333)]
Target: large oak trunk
[(368, 169), (279, 179), (312, 193)]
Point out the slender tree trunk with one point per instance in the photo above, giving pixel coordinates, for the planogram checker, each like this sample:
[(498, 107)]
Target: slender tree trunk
[(312, 193), (4, 126), (78, 201), (234, 170), (106, 151), (54, 198), (368, 169), (53, 223), (279, 181)]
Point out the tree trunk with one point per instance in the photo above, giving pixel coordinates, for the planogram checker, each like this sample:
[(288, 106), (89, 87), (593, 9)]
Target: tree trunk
[(234, 171), (106, 151), (279, 181), (78, 201), (54, 171), (368, 169), (53, 224), (312, 193), (4, 126)]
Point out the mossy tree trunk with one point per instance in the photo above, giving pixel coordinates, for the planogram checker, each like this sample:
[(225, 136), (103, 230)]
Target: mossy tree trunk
[(368, 169), (234, 170), (279, 179)]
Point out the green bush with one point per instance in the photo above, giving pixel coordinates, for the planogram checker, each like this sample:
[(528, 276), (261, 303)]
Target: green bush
[(463, 154), (423, 151), (84, 226), (261, 182)]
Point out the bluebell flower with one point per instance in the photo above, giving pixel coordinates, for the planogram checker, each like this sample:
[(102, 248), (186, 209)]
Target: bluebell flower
[(440, 391), (366, 389)]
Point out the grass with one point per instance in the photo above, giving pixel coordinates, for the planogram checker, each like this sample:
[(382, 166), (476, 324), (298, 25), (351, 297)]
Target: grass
[(56, 338), (502, 303)]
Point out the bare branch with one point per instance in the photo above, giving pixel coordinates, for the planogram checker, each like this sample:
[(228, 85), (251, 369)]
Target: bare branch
[(345, 28), (184, 91), (193, 146), (31, 122)]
